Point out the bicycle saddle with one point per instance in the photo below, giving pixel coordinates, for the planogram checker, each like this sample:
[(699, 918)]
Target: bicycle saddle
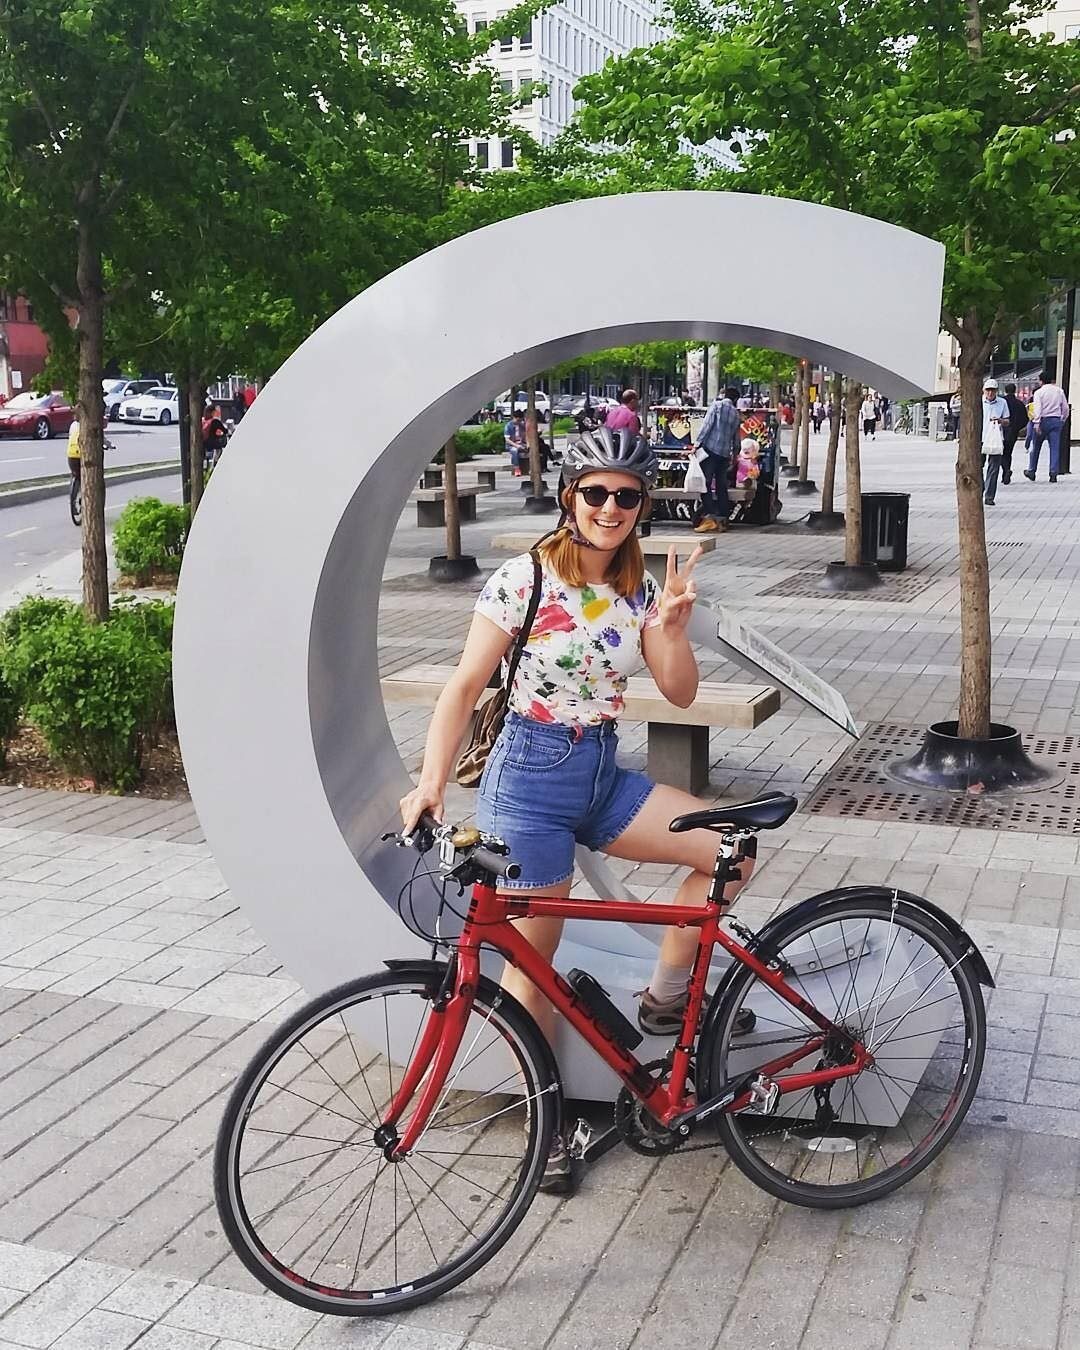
[(766, 812)]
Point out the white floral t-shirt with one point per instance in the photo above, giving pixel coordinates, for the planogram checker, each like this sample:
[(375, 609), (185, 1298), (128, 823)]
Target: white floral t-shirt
[(584, 642)]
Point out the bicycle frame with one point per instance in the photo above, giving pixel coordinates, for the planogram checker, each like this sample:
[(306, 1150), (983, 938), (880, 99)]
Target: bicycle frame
[(488, 923)]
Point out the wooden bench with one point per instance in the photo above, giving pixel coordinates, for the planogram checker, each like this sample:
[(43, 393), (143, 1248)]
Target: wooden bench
[(431, 505), (654, 546), (485, 479), (735, 494), (678, 738)]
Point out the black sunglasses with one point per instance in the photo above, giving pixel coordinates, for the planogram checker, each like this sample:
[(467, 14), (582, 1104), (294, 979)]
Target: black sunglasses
[(626, 499)]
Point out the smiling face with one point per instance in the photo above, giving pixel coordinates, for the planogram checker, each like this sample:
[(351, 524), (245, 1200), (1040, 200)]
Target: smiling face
[(607, 525)]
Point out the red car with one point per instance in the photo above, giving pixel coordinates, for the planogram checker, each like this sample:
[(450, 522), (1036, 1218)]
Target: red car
[(37, 415)]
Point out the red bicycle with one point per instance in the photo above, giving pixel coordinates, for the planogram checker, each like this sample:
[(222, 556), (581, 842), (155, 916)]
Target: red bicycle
[(390, 1136)]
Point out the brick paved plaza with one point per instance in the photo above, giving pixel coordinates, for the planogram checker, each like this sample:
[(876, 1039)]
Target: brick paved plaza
[(132, 991)]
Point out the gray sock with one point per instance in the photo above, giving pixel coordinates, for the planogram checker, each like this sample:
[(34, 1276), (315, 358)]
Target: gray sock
[(669, 982)]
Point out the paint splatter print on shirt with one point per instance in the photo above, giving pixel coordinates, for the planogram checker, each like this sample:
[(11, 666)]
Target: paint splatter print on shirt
[(584, 643)]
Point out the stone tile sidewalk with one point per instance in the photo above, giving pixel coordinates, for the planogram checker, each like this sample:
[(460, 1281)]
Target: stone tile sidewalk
[(132, 991)]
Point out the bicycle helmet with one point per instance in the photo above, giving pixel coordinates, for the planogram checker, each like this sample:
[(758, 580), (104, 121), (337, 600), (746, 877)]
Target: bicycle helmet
[(620, 451)]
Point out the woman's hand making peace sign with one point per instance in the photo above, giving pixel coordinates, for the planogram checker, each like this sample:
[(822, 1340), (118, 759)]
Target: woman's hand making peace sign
[(678, 596)]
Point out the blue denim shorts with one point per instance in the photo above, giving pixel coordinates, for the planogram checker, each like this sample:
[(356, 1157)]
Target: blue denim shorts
[(547, 787)]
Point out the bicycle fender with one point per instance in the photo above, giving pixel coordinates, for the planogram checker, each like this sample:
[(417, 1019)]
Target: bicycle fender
[(776, 930), (423, 966), (818, 904)]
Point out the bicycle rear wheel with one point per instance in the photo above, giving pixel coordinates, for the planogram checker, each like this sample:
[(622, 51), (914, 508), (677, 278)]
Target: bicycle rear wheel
[(893, 978), (310, 1202)]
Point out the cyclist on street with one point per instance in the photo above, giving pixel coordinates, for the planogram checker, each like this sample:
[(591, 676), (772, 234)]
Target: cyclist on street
[(552, 780)]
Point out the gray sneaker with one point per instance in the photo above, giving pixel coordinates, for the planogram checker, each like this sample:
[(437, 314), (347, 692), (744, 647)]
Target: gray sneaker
[(659, 1018)]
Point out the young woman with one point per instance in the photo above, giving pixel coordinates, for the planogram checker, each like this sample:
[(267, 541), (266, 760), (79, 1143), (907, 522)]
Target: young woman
[(552, 780)]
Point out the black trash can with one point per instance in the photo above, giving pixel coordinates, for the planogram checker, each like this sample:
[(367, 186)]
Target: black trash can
[(884, 529)]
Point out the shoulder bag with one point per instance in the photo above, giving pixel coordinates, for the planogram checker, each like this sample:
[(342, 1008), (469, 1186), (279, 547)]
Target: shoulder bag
[(489, 720)]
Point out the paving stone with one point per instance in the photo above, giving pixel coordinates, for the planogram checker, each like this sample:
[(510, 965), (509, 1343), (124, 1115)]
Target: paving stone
[(268, 1322), (1023, 1305), (146, 1295), (56, 1306), (100, 1330), (831, 1330), (935, 1318), (27, 1268)]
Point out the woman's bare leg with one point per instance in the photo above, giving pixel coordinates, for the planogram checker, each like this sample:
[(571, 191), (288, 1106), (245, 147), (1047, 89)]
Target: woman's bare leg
[(648, 839), (544, 935)]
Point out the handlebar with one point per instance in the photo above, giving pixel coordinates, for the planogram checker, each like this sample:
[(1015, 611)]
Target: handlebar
[(460, 848)]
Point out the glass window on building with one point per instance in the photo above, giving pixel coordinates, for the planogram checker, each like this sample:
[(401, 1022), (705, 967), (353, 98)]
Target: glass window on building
[(1072, 30), (526, 39), (481, 154), (479, 23), (525, 82), (508, 154), (507, 86)]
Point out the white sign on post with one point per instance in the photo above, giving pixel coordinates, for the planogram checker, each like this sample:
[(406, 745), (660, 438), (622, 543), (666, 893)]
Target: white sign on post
[(16, 379), (713, 626)]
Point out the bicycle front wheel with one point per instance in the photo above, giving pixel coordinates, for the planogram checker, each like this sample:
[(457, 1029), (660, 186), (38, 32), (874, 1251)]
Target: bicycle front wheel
[(312, 1205), (891, 977)]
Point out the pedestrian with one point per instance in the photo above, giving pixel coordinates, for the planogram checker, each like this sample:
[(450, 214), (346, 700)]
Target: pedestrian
[(551, 780), (953, 425), (1018, 420), (625, 414), (717, 440), (514, 439), (1050, 409), (817, 414), (995, 418), (868, 413), (885, 409), (240, 405), (215, 435)]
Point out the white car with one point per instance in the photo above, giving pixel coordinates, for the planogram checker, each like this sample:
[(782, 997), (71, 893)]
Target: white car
[(160, 405), (543, 404)]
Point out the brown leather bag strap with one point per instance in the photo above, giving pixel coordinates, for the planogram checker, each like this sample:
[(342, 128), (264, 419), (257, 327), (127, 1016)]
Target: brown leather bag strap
[(526, 627)]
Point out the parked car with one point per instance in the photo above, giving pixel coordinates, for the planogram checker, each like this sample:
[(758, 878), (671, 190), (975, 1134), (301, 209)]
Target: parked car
[(543, 404), (160, 404), (116, 392), (37, 415)]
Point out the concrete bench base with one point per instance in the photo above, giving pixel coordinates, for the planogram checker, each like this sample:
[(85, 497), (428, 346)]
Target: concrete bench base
[(679, 756), (431, 505)]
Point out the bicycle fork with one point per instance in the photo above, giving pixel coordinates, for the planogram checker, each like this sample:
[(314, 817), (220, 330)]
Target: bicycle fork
[(431, 1061)]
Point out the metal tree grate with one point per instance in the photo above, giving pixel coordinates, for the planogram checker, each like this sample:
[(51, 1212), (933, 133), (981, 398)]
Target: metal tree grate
[(893, 587), (857, 788)]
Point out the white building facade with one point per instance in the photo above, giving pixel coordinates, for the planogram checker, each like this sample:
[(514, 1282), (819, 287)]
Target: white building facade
[(571, 39)]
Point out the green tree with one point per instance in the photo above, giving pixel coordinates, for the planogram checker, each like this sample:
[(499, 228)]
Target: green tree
[(949, 119), (134, 134)]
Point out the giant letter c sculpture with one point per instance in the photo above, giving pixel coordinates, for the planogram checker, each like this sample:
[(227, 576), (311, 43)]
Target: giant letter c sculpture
[(286, 744)]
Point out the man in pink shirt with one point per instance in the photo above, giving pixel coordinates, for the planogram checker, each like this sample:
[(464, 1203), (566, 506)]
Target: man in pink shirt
[(1049, 410), (625, 415)]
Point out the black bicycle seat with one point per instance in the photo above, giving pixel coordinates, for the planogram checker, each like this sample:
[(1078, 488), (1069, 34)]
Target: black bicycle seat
[(766, 812)]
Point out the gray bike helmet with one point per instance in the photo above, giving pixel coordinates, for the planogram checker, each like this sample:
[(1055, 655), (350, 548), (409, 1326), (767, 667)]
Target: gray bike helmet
[(621, 451)]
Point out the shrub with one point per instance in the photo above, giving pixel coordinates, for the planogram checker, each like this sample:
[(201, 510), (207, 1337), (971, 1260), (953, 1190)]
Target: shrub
[(10, 716), (95, 691), (486, 439), (149, 538), (31, 613), (152, 622), (563, 426)]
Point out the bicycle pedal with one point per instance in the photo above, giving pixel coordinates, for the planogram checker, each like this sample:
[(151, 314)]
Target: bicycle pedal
[(579, 1140), (764, 1095)]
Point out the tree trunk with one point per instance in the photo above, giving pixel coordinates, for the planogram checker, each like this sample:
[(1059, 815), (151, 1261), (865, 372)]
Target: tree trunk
[(774, 394), (828, 484), (95, 562), (450, 501), (532, 440), (184, 425), (804, 427), (974, 711), (193, 397), (853, 393)]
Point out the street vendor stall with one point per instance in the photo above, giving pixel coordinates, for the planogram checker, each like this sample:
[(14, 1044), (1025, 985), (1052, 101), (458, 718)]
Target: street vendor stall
[(674, 436)]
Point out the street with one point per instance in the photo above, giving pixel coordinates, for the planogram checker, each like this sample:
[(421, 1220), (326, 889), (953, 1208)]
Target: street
[(21, 457), (34, 535)]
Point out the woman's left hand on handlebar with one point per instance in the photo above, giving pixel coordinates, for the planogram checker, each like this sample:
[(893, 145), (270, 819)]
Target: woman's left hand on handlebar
[(678, 596)]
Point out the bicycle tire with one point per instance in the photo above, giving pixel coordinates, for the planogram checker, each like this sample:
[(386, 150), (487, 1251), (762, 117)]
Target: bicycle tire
[(913, 935), (75, 502), (509, 1200)]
